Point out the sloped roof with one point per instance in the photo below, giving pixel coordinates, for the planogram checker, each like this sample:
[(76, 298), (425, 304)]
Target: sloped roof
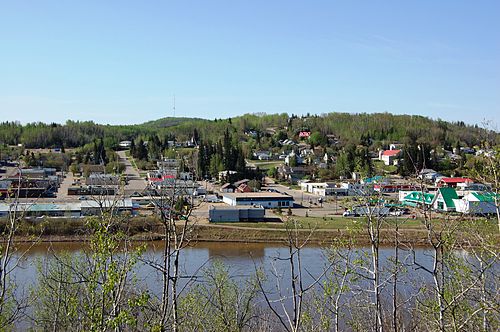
[(418, 197), (448, 194), (485, 196), (455, 180), (390, 153)]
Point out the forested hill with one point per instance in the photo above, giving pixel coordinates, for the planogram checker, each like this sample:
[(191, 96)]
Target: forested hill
[(169, 122), (347, 128)]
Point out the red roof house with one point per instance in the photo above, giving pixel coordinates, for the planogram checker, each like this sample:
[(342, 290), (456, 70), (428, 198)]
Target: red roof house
[(452, 182)]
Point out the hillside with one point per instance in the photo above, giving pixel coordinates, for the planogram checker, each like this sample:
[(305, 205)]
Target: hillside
[(169, 122), (345, 127)]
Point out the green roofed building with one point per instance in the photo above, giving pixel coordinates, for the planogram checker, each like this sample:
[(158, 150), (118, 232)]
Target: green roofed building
[(444, 199), (417, 198), (477, 203)]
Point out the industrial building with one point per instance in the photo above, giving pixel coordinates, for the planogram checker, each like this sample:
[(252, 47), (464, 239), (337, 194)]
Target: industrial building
[(267, 200), (235, 214), (69, 210)]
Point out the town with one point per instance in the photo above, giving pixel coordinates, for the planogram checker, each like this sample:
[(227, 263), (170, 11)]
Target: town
[(304, 172)]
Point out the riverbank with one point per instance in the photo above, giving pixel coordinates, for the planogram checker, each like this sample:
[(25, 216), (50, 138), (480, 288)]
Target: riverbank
[(248, 234)]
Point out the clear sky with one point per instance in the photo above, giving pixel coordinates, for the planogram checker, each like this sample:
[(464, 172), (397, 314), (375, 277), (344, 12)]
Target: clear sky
[(122, 61)]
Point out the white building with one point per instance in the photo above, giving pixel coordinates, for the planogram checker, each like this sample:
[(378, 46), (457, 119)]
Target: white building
[(476, 203), (267, 200)]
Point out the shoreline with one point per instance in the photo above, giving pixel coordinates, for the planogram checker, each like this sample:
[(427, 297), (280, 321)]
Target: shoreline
[(235, 234)]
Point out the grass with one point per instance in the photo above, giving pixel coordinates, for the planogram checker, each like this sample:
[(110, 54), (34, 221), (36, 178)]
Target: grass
[(381, 168), (327, 223)]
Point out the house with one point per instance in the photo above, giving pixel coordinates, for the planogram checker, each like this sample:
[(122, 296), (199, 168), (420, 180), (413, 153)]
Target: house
[(262, 155), (293, 158), (102, 180), (452, 182), (429, 174), (226, 175), (244, 188), (267, 200), (240, 182), (389, 157), (478, 203), (395, 146), (168, 163), (125, 144), (292, 174), (444, 199), (227, 188)]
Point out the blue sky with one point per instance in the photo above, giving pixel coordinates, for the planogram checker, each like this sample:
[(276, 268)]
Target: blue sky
[(121, 62)]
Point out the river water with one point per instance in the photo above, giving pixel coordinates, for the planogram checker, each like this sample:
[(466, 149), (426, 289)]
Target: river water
[(241, 259)]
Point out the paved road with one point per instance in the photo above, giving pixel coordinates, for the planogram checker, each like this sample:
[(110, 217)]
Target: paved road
[(135, 182), (306, 203)]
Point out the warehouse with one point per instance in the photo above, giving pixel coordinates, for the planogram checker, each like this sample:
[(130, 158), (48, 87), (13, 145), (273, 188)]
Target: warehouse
[(235, 214), (267, 200)]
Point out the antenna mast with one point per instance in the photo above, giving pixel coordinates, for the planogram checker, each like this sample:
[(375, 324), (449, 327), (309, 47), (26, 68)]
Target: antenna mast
[(174, 106)]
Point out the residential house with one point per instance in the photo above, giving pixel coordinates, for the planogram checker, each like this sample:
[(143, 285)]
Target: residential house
[(244, 188), (452, 182), (227, 188), (292, 174), (125, 144), (389, 157), (429, 174)]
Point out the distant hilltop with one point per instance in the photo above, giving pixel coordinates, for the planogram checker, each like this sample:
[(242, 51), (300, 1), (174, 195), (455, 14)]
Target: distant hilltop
[(346, 127)]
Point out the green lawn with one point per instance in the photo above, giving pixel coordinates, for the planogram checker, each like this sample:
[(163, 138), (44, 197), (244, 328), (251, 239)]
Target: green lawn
[(381, 168), (326, 223), (347, 222)]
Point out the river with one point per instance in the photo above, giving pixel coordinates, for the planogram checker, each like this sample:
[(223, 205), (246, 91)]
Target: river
[(241, 259)]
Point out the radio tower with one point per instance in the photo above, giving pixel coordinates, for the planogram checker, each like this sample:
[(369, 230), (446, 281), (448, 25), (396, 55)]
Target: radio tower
[(174, 107)]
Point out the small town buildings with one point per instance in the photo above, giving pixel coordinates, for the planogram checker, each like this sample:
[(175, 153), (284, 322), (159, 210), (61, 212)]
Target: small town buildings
[(36, 173), (293, 159), (262, 155), (428, 174), (69, 209), (235, 214), (394, 187), (167, 163), (267, 200), (227, 188), (244, 188), (96, 207), (292, 174), (389, 157), (452, 182), (416, 198), (444, 199), (477, 203), (102, 180), (224, 176)]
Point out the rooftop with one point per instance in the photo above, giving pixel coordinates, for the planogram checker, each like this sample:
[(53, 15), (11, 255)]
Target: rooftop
[(390, 153), (262, 194)]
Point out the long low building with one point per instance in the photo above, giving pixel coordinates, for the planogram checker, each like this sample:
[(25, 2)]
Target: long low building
[(69, 210), (267, 200), (235, 214)]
